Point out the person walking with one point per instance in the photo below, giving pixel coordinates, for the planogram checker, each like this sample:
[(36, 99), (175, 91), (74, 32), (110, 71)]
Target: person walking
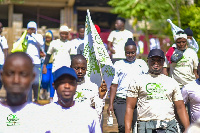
[(156, 96), (125, 70)]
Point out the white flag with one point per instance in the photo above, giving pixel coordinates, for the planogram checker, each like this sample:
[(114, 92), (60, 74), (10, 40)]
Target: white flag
[(194, 45), (94, 51)]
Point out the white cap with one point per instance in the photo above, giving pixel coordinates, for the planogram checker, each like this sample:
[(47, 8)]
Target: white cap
[(180, 36), (64, 28), (32, 24)]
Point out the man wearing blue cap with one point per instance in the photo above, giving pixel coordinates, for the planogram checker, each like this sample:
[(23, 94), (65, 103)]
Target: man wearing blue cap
[(66, 115), (35, 41), (155, 95)]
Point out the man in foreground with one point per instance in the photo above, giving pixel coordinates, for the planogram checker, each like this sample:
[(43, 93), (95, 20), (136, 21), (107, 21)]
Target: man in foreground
[(16, 115), (66, 115), (155, 95)]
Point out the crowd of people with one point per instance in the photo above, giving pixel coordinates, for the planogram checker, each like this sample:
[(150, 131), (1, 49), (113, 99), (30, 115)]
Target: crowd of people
[(161, 95)]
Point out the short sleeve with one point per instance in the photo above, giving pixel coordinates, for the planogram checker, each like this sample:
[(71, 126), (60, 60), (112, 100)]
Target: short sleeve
[(111, 36), (51, 48), (4, 43), (166, 63), (185, 94), (116, 78), (130, 34), (133, 89), (177, 92), (195, 61), (144, 66)]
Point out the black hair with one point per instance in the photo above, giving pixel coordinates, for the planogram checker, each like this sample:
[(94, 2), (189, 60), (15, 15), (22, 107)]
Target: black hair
[(130, 42), (78, 57), (180, 32), (122, 19), (81, 26), (188, 31)]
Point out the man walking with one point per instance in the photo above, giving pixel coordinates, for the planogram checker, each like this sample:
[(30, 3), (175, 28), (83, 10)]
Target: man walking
[(155, 95)]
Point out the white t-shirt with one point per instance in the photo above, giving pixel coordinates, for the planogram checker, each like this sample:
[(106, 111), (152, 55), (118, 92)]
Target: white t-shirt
[(35, 42), (25, 118), (119, 38), (191, 94), (182, 71), (3, 45), (61, 53), (155, 94), (75, 44), (125, 71), (88, 92), (80, 118)]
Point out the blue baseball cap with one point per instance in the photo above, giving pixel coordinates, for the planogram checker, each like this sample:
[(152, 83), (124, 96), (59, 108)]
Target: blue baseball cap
[(64, 70)]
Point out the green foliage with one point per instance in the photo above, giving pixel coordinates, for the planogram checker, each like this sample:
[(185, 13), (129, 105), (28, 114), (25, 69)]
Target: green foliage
[(190, 18), (156, 12)]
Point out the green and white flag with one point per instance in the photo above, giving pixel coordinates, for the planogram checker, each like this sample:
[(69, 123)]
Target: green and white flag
[(99, 64), (194, 45)]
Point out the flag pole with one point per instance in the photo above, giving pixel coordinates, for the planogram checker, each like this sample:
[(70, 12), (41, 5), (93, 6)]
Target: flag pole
[(100, 69)]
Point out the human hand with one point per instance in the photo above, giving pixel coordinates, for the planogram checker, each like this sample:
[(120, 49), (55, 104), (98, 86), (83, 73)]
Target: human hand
[(109, 109), (44, 70), (112, 51), (103, 89)]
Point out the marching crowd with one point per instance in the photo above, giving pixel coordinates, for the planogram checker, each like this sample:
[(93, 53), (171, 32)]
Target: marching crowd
[(161, 95)]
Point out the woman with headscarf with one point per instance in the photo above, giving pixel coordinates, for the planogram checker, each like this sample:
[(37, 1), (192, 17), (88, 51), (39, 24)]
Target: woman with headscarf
[(47, 79)]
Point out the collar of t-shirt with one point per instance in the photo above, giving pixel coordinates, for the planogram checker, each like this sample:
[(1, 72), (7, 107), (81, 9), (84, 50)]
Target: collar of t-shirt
[(81, 82), (153, 75), (80, 39), (17, 108), (64, 107), (129, 61)]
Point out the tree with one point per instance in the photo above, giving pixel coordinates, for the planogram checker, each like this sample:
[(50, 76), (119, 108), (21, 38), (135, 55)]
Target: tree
[(156, 12)]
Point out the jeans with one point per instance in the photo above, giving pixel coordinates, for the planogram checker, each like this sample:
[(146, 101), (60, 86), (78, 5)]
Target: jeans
[(151, 126)]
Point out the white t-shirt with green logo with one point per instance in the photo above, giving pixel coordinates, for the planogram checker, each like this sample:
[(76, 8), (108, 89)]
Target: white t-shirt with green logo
[(61, 53), (88, 92), (80, 118), (25, 118), (155, 94), (119, 38), (182, 71)]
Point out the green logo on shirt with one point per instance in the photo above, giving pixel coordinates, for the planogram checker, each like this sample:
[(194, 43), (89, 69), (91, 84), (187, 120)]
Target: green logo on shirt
[(12, 120), (155, 91)]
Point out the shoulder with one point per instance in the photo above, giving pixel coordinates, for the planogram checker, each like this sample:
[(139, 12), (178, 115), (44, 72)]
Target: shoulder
[(120, 62), (54, 41), (141, 61), (190, 51), (3, 38), (85, 108), (127, 31), (90, 83), (191, 85)]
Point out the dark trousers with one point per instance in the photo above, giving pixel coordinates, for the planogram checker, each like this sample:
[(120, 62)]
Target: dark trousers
[(120, 110)]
